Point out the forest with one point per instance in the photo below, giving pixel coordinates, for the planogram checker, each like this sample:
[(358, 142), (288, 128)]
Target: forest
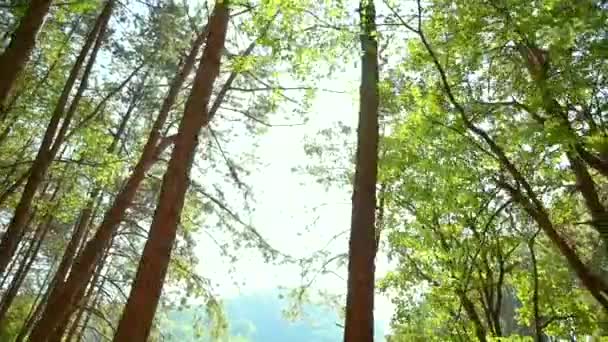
[(467, 140)]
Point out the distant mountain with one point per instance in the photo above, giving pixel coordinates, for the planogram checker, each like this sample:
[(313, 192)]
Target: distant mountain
[(259, 318)]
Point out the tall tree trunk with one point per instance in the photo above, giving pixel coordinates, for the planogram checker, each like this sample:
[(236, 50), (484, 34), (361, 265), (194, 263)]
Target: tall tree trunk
[(24, 267), (14, 58), (31, 253), (24, 247), (359, 324), (594, 284), (57, 335), (469, 307), (61, 303), (82, 309), (588, 189), (9, 190), (538, 328), (10, 103), (49, 146), (578, 156), (141, 306), (39, 297), (22, 251), (86, 215)]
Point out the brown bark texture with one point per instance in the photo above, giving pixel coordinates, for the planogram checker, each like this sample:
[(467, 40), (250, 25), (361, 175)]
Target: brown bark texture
[(62, 302), (359, 324), (49, 146), (139, 312), (14, 58), (469, 307)]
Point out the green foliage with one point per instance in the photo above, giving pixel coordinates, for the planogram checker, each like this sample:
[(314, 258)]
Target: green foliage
[(457, 237)]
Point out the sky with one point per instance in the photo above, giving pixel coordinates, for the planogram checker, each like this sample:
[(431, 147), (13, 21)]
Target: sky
[(294, 213)]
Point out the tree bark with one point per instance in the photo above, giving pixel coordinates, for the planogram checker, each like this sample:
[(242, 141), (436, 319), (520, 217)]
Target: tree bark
[(39, 297), (30, 255), (587, 187), (14, 58), (15, 95), (359, 324), (85, 218), (49, 146), (141, 306), (88, 295), (24, 268), (61, 303), (578, 156), (538, 328), (86, 215), (469, 307)]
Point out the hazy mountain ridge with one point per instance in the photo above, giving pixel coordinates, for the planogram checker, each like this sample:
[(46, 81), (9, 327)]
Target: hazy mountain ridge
[(259, 317)]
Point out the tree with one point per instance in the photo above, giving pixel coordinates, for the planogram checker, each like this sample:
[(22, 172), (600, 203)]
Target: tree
[(139, 312), (16, 55), (74, 286), (359, 324), (54, 136)]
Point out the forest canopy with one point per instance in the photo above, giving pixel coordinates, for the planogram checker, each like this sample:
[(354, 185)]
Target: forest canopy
[(476, 164)]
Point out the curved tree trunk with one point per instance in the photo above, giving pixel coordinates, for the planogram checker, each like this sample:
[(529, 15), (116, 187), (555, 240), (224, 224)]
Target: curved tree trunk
[(61, 303), (141, 306), (14, 58), (359, 324)]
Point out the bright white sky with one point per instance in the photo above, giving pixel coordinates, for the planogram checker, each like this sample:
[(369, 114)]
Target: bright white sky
[(284, 201)]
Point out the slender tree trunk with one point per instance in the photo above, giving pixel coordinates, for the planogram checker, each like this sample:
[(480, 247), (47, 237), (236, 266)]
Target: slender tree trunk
[(578, 156), (14, 58), (30, 255), (24, 267), (86, 216), (12, 188), (87, 297), (538, 329), (9, 105), (594, 284), (33, 317), (587, 187), (141, 306), (499, 298), (469, 307), (20, 254), (61, 303), (24, 249), (57, 335), (359, 324), (80, 230), (48, 148), (39, 297), (72, 332)]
